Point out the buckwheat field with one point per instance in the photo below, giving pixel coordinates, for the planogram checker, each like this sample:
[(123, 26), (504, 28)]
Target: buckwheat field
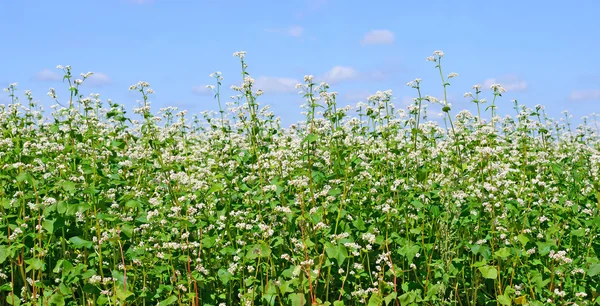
[(365, 205)]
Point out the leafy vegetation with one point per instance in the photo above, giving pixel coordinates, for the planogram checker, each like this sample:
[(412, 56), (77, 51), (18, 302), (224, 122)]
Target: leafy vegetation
[(378, 208)]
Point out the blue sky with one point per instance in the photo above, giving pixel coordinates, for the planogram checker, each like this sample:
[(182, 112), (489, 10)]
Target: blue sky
[(541, 52)]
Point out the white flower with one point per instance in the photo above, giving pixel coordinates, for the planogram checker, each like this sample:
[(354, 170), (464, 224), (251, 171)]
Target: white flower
[(497, 88), (452, 75), (240, 54)]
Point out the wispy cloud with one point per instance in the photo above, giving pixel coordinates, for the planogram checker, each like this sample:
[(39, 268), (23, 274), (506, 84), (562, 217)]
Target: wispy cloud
[(510, 82), (340, 73), (585, 95), (47, 75), (378, 37), (98, 79), (377, 75), (276, 84), (293, 31), (202, 90)]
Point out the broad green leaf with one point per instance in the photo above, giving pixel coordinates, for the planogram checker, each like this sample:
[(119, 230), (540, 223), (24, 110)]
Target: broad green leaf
[(80, 243), (68, 186), (523, 239), (504, 300), (3, 253), (34, 264), (224, 276), (489, 272), (6, 287), (594, 269), (121, 294), (57, 299), (390, 297), (297, 299), (168, 301), (216, 187), (503, 253), (375, 300), (132, 204), (22, 176), (13, 299), (48, 225)]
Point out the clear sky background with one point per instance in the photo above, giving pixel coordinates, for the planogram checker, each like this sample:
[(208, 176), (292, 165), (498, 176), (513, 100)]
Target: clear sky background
[(542, 52)]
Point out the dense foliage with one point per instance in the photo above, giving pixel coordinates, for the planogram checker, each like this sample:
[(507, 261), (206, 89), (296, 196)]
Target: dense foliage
[(377, 208)]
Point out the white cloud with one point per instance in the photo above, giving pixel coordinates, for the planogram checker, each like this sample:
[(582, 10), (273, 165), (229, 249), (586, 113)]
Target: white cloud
[(510, 82), (47, 75), (585, 95), (276, 84), (378, 75), (293, 31), (98, 79), (202, 90), (378, 37), (340, 73)]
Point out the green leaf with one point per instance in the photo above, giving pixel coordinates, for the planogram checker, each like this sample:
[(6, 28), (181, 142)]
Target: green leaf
[(10, 298), (504, 300), (224, 276), (68, 186), (409, 251), (359, 224), (216, 187), (297, 299), (132, 204), (170, 300), (48, 225), (337, 252), (3, 253), (375, 300), (338, 303), (57, 299), (389, 298), (489, 272), (310, 138), (592, 271), (127, 229), (6, 287), (409, 297), (80, 243), (121, 294), (22, 176), (503, 253), (34, 264), (61, 207), (523, 239)]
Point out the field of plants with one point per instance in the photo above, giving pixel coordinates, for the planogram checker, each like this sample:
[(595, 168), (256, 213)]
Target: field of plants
[(365, 205)]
